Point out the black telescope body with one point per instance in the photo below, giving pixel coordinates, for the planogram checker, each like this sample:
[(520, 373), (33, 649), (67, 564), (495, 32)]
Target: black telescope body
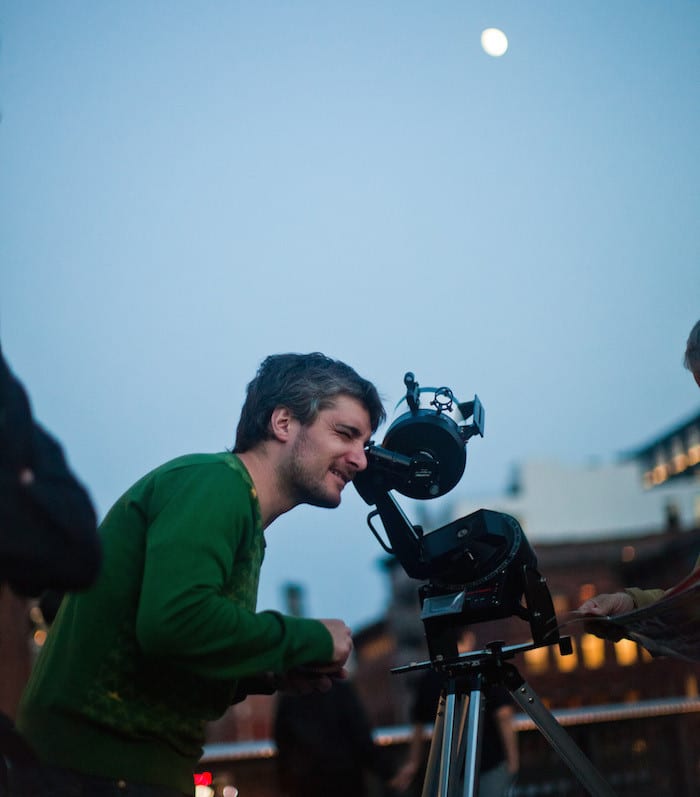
[(423, 454), (476, 568)]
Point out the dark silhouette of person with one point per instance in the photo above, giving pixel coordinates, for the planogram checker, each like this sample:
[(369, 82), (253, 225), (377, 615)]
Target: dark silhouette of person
[(48, 525), (325, 744)]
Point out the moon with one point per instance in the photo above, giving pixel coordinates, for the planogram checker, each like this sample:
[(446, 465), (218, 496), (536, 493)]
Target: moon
[(494, 42)]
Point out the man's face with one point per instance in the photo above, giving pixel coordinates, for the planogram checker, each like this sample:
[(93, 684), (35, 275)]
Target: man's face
[(325, 455)]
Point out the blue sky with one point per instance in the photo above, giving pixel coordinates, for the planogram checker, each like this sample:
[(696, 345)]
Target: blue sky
[(188, 187)]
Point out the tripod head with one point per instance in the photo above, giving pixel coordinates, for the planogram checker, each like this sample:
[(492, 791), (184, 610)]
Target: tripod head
[(491, 659)]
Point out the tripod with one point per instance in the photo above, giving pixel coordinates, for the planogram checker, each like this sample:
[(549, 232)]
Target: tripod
[(455, 749)]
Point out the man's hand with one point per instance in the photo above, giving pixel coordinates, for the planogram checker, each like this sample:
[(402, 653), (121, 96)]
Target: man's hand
[(342, 644), (607, 604), (319, 677)]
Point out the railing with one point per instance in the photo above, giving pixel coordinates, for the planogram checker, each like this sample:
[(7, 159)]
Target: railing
[(644, 749), (400, 734)]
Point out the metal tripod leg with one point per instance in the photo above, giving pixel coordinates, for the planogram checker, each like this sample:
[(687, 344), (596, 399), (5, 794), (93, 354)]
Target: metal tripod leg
[(562, 743), (471, 740), (440, 747), (452, 767)]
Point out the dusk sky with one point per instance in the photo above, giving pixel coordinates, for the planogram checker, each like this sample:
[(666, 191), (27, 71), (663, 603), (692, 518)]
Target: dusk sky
[(188, 187)]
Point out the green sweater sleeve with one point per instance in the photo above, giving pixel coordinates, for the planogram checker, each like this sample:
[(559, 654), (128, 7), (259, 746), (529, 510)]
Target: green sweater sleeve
[(204, 547)]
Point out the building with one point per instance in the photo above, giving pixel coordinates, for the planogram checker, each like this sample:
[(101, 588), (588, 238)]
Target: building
[(640, 492)]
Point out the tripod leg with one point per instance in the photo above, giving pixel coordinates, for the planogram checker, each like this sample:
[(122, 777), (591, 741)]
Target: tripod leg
[(469, 756), (455, 749), (429, 784), (447, 742), (441, 767), (456, 762), (562, 743)]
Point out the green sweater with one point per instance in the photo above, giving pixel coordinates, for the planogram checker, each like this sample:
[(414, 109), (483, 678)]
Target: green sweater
[(134, 668)]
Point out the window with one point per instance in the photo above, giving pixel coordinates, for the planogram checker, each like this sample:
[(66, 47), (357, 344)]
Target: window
[(593, 651), (626, 652)]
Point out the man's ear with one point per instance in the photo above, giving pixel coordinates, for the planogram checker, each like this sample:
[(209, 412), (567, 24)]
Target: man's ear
[(281, 423)]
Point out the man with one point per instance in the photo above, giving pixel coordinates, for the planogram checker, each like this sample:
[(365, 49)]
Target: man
[(631, 598), (167, 638)]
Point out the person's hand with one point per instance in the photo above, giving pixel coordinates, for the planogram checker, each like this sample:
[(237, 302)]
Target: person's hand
[(342, 643), (607, 604), (319, 676)]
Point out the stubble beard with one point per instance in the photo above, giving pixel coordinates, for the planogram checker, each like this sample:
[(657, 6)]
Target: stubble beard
[(304, 485)]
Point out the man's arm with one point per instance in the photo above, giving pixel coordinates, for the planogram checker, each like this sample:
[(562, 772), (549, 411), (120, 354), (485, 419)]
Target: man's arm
[(304, 680), (199, 582)]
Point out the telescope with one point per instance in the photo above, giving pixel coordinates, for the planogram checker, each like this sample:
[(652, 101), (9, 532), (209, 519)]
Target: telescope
[(476, 568)]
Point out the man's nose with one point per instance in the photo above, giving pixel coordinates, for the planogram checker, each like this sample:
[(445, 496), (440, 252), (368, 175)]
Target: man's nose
[(358, 457)]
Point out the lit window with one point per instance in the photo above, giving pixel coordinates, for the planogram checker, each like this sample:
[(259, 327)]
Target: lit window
[(586, 591), (693, 452), (678, 455), (626, 652), (537, 660), (561, 603), (593, 651), (659, 474)]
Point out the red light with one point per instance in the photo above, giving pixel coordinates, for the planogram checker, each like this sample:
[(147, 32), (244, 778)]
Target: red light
[(202, 778)]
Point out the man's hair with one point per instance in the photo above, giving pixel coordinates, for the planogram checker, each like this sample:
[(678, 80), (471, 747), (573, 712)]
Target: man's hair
[(692, 350), (305, 384)]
